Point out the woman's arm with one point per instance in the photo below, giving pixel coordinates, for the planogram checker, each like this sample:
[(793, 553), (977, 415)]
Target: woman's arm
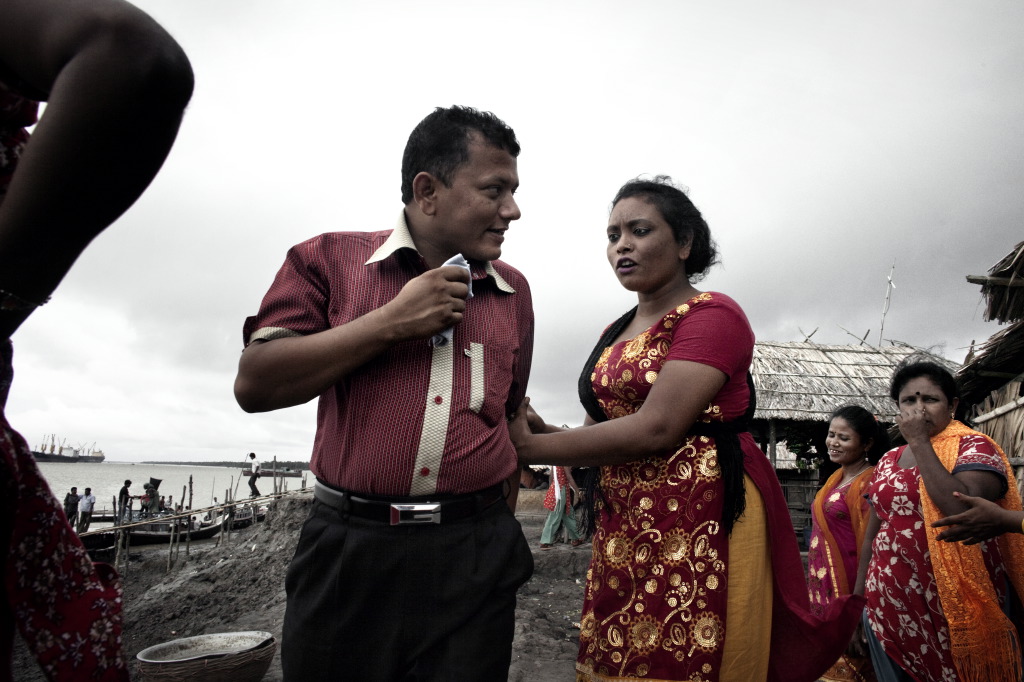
[(940, 483), (864, 552), (858, 643), (116, 85), (983, 520), (678, 397)]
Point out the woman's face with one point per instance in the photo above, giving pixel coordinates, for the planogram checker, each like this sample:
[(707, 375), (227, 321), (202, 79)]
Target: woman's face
[(844, 444), (642, 249), (922, 396)]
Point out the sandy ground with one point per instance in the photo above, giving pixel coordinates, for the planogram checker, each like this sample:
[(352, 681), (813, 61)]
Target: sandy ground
[(239, 585)]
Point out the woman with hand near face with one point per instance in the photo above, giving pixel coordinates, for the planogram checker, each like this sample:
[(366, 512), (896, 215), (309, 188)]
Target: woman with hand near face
[(934, 608), (695, 571), (839, 514)]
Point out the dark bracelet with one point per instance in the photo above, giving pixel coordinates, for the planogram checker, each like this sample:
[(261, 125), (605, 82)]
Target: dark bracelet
[(9, 301)]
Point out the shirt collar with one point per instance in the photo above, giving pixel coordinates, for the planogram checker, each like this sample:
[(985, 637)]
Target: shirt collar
[(401, 238)]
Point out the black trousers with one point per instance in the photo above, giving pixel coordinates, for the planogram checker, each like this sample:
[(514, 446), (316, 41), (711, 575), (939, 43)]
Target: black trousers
[(252, 485), (429, 603)]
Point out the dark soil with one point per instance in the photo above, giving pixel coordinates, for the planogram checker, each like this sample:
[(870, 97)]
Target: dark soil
[(238, 585)]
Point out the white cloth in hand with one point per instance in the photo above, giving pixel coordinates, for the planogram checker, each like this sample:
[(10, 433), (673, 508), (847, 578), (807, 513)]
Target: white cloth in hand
[(442, 338)]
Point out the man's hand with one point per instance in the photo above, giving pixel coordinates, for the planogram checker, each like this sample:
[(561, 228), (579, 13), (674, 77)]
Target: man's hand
[(428, 304)]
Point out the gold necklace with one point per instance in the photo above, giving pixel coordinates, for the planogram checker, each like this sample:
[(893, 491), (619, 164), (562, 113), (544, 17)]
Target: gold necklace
[(847, 478)]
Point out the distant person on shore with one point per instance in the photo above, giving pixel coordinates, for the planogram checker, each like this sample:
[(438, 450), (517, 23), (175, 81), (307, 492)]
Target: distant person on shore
[(254, 475), (410, 547), (124, 499), (116, 85), (86, 503), (150, 500), (71, 506), (559, 503)]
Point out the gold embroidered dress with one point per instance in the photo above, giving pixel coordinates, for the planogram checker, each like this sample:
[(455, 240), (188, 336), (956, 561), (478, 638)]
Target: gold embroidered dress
[(655, 600)]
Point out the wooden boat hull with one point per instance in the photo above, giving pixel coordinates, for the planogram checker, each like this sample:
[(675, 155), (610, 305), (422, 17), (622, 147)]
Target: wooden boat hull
[(146, 536)]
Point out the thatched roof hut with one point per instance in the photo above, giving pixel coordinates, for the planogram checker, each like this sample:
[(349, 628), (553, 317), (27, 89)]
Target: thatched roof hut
[(799, 385), (992, 378), (807, 381), (1002, 287)]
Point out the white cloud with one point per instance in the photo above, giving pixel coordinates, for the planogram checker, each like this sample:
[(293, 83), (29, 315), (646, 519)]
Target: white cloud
[(822, 142)]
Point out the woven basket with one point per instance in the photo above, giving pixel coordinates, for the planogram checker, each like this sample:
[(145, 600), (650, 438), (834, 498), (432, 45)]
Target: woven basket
[(221, 657)]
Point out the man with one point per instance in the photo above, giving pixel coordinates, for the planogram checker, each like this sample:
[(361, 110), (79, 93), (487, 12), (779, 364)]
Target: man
[(71, 506), (254, 475), (123, 500), (86, 503), (150, 501), (409, 548)]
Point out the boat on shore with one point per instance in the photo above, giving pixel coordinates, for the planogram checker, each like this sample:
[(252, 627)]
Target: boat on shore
[(153, 533), (65, 453), (265, 473)]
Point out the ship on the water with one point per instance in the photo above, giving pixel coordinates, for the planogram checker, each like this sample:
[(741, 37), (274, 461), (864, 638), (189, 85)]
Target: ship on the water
[(51, 452)]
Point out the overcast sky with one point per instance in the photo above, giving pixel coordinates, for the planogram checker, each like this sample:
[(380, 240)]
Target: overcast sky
[(822, 141)]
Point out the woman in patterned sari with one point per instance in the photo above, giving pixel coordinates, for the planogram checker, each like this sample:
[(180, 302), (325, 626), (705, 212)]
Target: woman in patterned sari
[(935, 609), (695, 572), (855, 441)]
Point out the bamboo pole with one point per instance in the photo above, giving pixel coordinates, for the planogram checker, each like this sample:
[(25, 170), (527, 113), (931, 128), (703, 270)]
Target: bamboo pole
[(188, 531)]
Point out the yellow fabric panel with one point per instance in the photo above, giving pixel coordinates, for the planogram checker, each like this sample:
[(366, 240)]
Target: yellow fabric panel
[(748, 618)]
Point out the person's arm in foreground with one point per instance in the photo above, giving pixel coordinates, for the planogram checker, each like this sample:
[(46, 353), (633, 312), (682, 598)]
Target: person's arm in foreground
[(116, 85), (858, 644), (294, 370), (681, 393), (982, 520)]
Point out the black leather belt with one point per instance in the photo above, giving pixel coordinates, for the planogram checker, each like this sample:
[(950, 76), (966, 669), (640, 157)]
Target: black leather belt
[(401, 511)]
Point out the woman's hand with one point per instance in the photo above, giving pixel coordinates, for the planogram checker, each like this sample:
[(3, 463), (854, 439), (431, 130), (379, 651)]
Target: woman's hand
[(982, 520), (537, 425), (913, 424), (519, 426), (858, 646)]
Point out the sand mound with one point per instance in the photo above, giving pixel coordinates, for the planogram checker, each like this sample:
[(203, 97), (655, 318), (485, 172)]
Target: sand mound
[(239, 585)]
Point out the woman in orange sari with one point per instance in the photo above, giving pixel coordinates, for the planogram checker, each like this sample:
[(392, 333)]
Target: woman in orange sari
[(855, 441)]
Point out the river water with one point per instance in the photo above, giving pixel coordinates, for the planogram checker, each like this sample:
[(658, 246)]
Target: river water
[(106, 479)]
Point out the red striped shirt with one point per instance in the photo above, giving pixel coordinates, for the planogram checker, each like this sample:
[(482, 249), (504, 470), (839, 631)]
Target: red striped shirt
[(417, 419)]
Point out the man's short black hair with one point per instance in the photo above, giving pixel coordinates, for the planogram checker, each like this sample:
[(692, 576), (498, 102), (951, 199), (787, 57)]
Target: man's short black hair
[(439, 144)]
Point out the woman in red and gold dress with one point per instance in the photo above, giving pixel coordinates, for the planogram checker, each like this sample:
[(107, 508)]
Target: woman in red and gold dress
[(839, 514), (116, 85), (936, 609), (692, 535)]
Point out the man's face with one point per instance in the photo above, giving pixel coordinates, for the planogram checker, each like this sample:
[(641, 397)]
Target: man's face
[(473, 214)]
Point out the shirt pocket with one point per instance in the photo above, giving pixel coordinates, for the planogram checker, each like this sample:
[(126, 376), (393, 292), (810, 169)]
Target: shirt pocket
[(490, 378)]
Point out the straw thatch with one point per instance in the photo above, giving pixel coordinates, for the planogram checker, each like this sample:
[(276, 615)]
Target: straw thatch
[(806, 381), (993, 363), (990, 379), (1003, 287), (1001, 416)]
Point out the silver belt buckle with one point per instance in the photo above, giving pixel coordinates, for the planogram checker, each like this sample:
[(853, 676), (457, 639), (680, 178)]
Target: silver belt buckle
[(406, 514)]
